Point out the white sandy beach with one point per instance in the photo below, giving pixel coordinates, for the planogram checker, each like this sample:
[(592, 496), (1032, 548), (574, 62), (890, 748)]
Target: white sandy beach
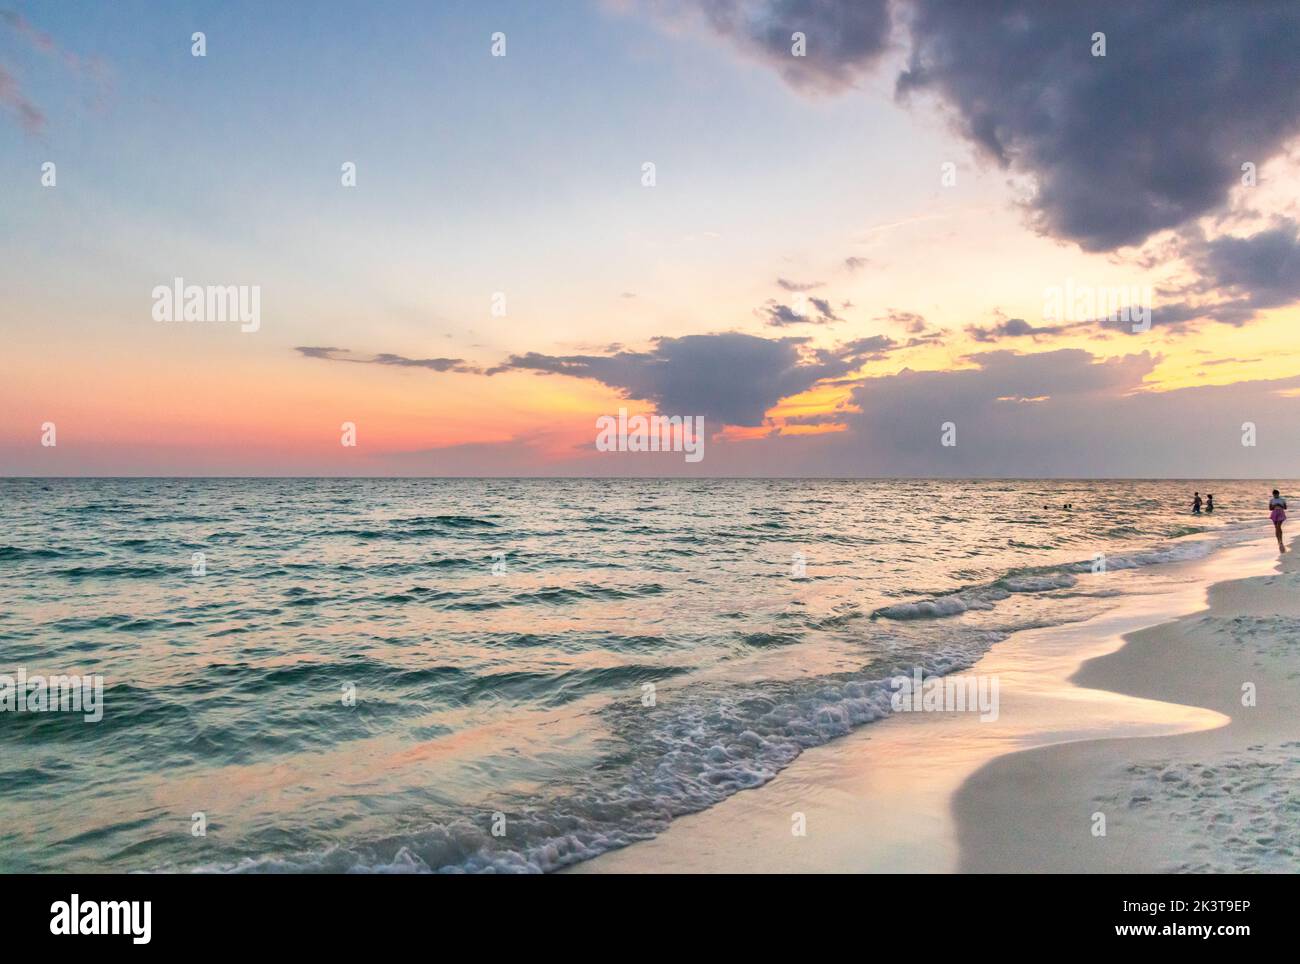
[(1136, 714)]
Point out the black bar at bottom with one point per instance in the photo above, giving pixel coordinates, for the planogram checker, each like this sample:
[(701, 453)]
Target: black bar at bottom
[(336, 913)]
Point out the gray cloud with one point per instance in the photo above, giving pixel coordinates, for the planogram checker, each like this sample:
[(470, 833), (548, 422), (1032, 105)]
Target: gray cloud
[(844, 39), (1179, 316), (1014, 328), (729, 378), (782, 316), (861, 350), (386, 358), (797, 285), (824, 309), (1059, 413), (1231, 361), (910, 320), (1263, 269), (779, 315), (1146, 138), (329, 354), (1235, 278), (1122, 146)]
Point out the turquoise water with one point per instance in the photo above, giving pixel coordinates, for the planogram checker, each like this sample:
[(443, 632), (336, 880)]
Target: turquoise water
[(571, 663)]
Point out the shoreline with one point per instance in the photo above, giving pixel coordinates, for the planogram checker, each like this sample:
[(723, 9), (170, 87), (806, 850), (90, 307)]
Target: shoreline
[(944, 792), (1218, 800)]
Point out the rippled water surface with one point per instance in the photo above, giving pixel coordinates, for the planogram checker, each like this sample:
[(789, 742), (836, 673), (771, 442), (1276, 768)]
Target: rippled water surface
[(571, 662)]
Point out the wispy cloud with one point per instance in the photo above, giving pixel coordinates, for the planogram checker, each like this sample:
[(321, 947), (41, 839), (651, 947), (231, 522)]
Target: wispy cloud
[(92, 70), (11, 95), (385, 358)]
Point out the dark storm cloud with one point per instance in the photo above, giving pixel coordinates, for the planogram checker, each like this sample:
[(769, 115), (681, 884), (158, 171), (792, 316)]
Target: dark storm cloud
[(1145, 138), (844, 39), (729, 378), (1263, 269), (386, 358)]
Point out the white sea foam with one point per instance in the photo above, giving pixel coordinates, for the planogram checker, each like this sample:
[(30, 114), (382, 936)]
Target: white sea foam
[(705, 745), (1064, 577)]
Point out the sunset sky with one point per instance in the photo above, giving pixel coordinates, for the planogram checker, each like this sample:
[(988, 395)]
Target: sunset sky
[(801, 274)]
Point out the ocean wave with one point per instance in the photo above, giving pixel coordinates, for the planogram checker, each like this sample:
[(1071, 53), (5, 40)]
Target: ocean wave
[(770, 639), (414, 527), (117, 571), (1038, 583), (559, 596), (1053, 578), (953, 605), (520, 691), (121, 622), (696, 747), (17, 554)]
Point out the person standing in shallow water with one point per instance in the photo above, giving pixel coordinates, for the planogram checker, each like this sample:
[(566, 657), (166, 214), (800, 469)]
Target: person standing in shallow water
[(1277, 515), (1209, 503), (1196, 503)]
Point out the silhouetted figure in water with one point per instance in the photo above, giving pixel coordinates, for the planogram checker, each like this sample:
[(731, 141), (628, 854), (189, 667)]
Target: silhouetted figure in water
[(1196, 503), (1209, 503)]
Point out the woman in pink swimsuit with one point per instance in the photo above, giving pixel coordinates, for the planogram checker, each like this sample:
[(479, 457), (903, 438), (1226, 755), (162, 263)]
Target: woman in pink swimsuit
[(1277, 514)]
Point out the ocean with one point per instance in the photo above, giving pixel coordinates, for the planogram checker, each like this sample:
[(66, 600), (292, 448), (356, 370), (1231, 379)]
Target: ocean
[(502, 675)]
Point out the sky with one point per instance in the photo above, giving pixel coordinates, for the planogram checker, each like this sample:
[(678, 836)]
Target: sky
[(872, 228)]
